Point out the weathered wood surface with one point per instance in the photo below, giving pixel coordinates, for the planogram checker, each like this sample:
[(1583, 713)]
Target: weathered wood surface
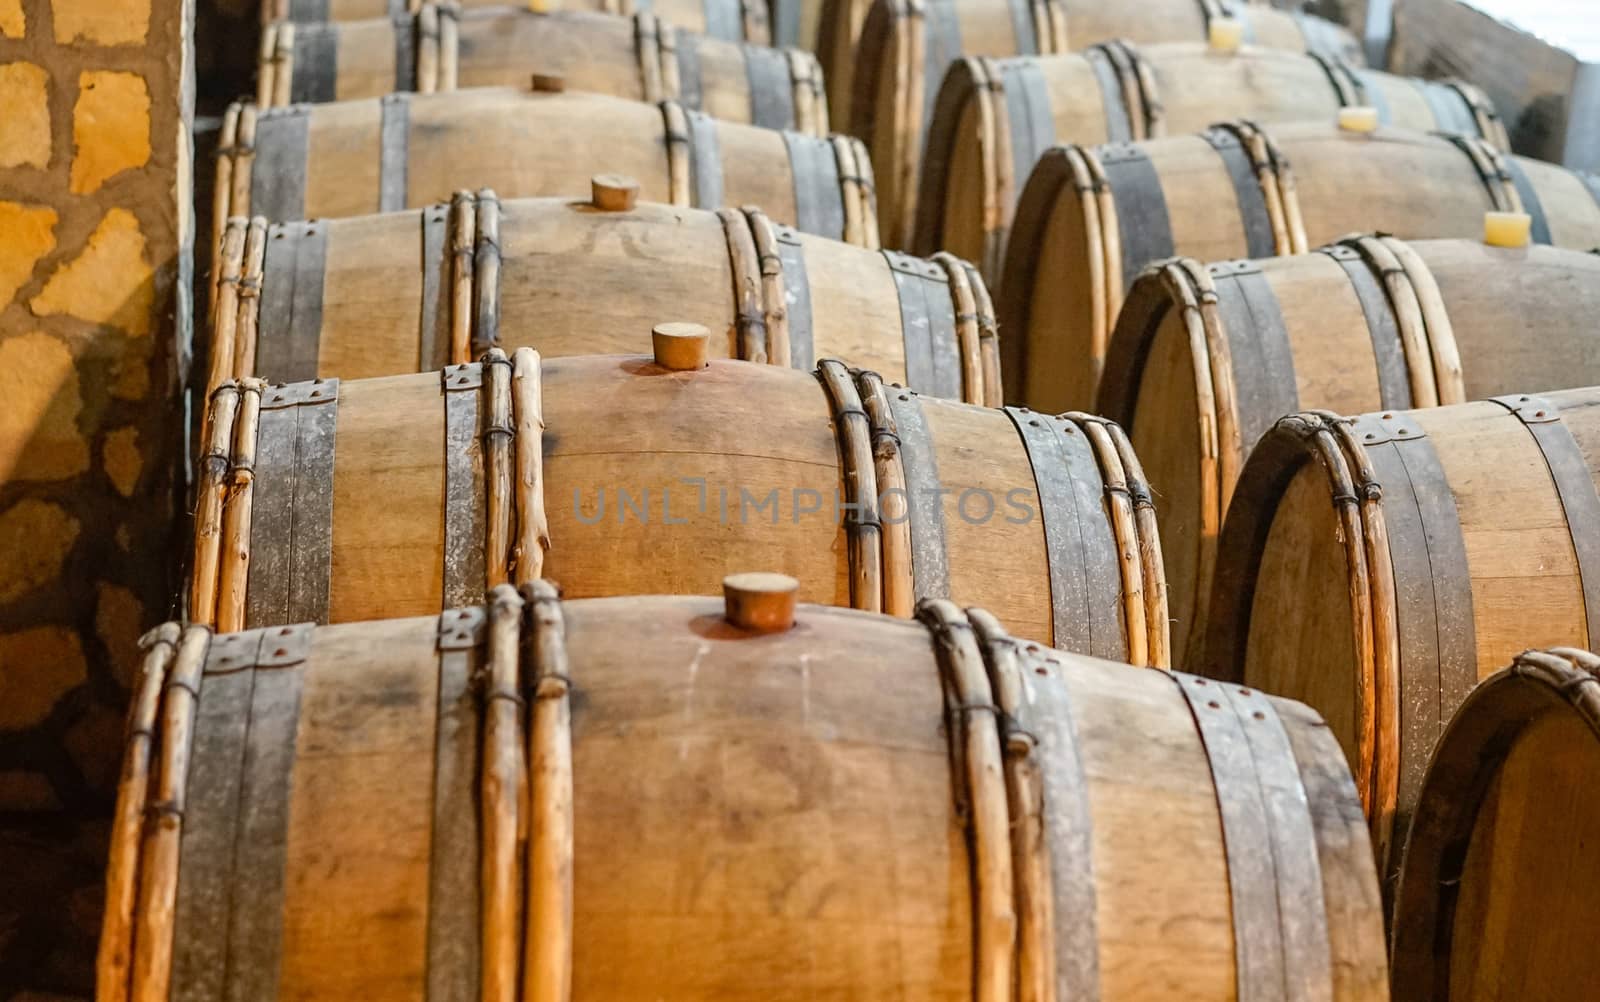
[(730, 20)]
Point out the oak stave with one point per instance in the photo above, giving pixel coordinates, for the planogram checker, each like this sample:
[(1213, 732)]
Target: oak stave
[(617, 476), (904, 51), (1367, 324), (410, 150), (994, 117), (1458, 536), (1065, 281), (642, 58), (382, 295), (1492, 892), (708, 810), (729, 20)]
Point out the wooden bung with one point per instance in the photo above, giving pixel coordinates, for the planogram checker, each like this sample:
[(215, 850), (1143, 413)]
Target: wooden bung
[(613, 192), (1507, 229), (760, 601), (549, 83), (680, 346), (1360, 118), (1225, 35)]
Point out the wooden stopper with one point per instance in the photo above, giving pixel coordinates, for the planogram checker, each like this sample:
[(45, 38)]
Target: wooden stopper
[(1507, 229), (759, 601), (549, 83), (1360, 118), (613, 192), (680, 346), (1226, 34)]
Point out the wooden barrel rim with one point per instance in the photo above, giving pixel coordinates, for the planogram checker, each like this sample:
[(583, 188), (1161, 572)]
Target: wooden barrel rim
[(969, 77), (1467, 758)]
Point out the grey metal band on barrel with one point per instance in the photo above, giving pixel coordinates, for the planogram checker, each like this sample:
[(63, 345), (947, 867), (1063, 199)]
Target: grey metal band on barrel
[(1142, 219), (1119, 128), (1388, 353), (1027, 41), (1372, 93), (316, 63), (927, 325), (291, 527), (1493, 184), (1033, 128), (1450, 110), (1320, 36), (405, 51), (1592, 183), (1247, 193), (465, 508), (1530, 200), (1258, 342), (818, 196), (278, 176), (786, 26), (308, 11), (1259, 950), (796, 297), (453, 959), (771, 89), (724, 19), (942, 46), (394, 147), (1574, 486), (705, 160), (433, 349), (289, 323), (930, 559), (687, 45)]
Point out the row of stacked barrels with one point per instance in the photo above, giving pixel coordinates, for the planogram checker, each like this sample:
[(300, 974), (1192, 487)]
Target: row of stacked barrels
[(1057, 337)]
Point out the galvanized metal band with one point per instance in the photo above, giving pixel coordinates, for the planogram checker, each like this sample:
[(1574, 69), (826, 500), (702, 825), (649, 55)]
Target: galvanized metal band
[(1142, 220), (930, 560), (308, 11), (1590, 182), (1388, 352), (927, 325), (278, 174), (1119, 125), (1258, 342), (316, 63), (465, 507), (771, 89), (1451, 113), (394, 148), (724, 19), (1248, 196), (705, 160), (818, 194), (395, 8), (1376, 31), (433, 342), (1372, 93), (687, 45), (1022, 30), (1574, 483), (289, 323), (1320, 35), (405, 51), (291, 526), (796, 297), (454, 944), (1472, 149), (941, 47), (786, 26), (1530, 200), (1028, 111)]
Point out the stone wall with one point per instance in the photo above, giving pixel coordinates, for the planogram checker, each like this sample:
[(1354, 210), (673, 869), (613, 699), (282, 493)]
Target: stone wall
[(95, 98)]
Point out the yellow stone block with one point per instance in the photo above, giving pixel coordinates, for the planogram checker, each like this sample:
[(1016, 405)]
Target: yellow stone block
[(13, 22), (117, 620), (29, 235), (102, 22), (25, 126), (110, 127), (122, 460), (42, 665), (34, 539), (39, 437), (108, 283)]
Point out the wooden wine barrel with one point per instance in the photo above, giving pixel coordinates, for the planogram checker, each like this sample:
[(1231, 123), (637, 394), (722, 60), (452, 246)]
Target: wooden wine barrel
[(407, 151), (1204, 359), (993, 117), (1455, 538), (335, 501), (439, 48), (1493, 890), (655, 798), (729, 20), (414, 291), (1091, 218), (905, 49)]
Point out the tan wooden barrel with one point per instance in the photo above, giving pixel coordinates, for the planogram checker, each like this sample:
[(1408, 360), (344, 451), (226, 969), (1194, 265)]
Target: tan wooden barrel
[(1494, 890), (642, 58), (344, 500), (730, 20), (994, 117), (1365, 324), (1377, 568), (1230, 193), (414, 291), (407, 151), (646, 798), (905, 49)]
